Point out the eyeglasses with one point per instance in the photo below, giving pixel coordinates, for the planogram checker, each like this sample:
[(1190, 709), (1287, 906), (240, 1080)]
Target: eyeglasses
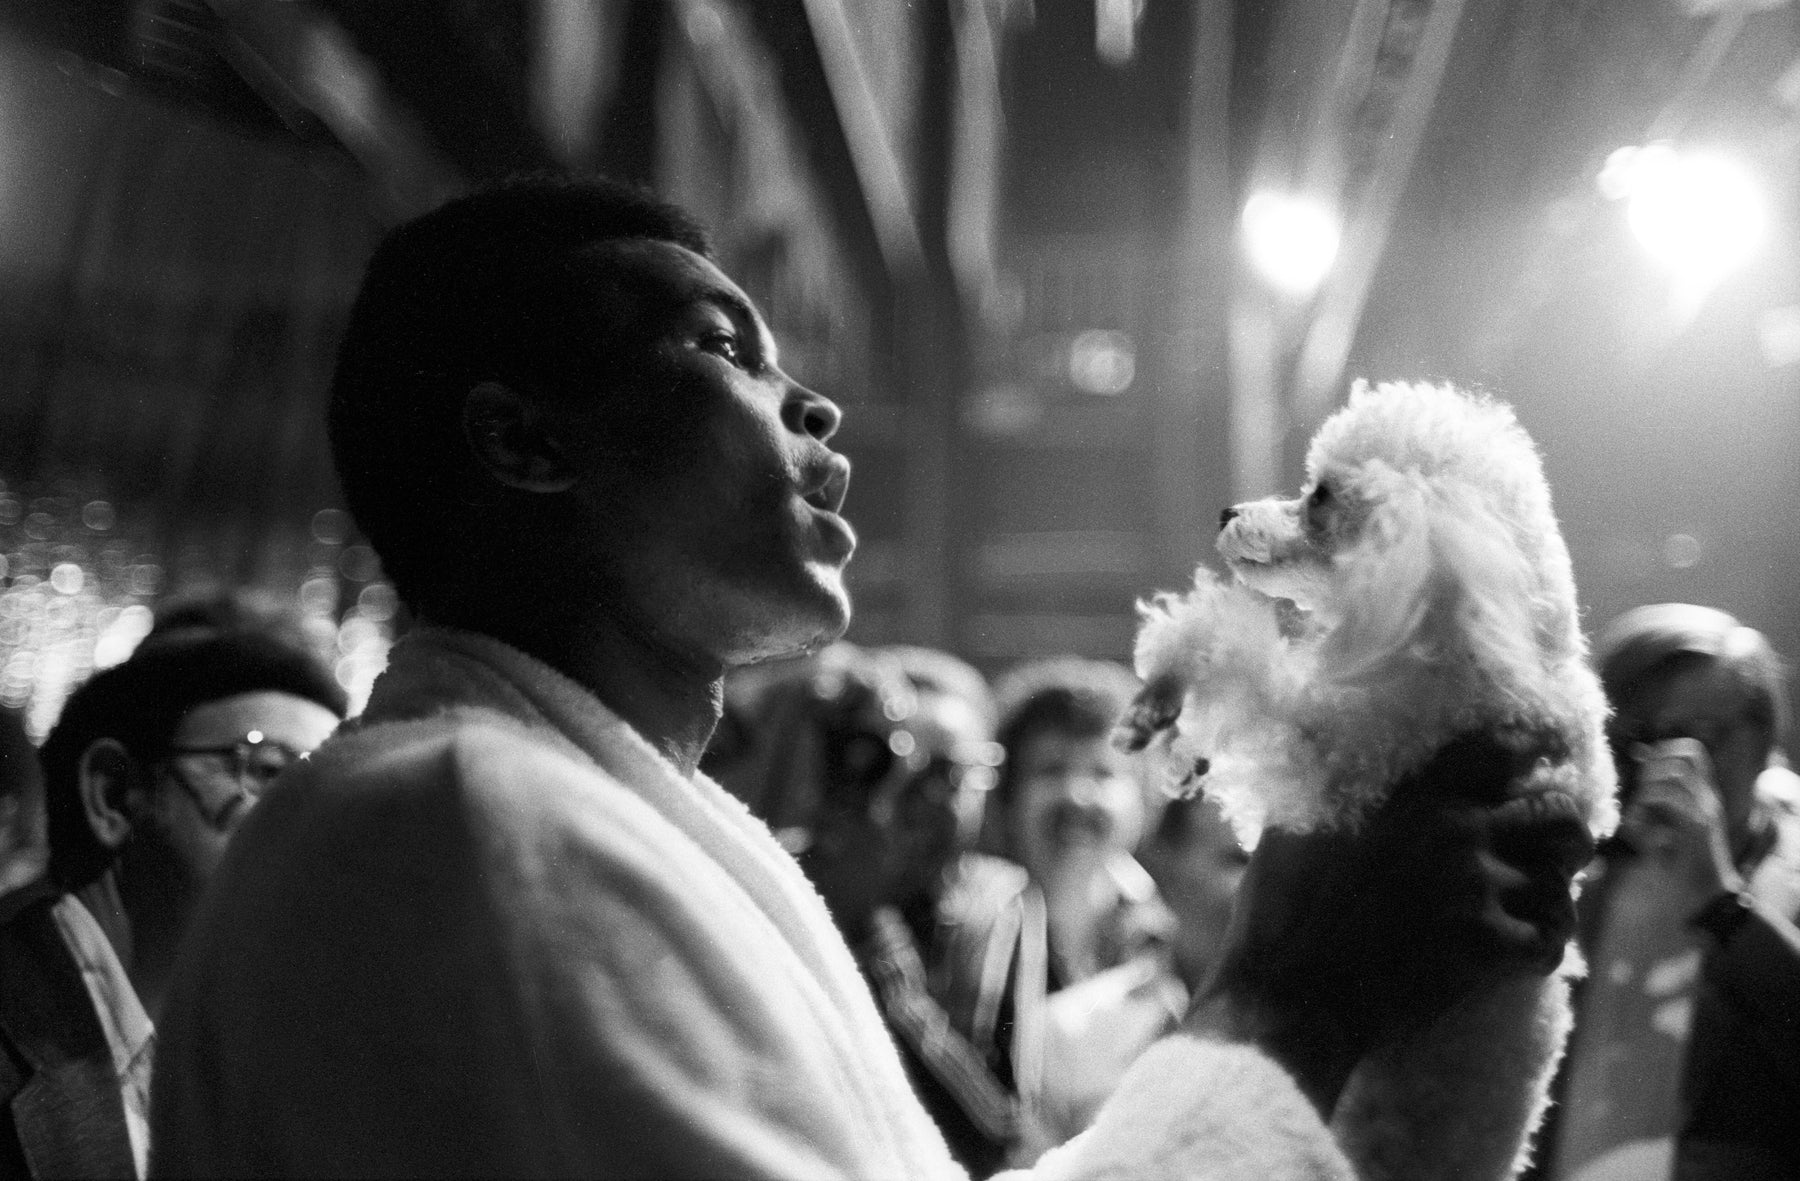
[(251, 763)]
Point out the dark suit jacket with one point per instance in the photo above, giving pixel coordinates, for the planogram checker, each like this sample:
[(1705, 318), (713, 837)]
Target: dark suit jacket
[(1741, 1085), (60, 1110)]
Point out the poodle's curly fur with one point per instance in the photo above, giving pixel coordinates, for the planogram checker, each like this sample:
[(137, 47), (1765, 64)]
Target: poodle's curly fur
[(1416, 591)]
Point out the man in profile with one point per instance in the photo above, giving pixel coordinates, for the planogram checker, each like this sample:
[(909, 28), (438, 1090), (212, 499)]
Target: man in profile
[(147, 772), (154, 763), (501, 927)]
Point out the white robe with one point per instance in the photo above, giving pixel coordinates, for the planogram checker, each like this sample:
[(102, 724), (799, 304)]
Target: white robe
[(489, 931)]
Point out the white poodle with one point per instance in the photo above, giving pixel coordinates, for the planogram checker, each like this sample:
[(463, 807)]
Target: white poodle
[(1416, 592)]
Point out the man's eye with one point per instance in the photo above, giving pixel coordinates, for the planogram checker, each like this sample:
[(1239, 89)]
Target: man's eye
[(723, 344)]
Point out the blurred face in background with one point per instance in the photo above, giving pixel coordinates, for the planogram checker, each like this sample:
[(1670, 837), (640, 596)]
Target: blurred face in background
[(910, 801), (1701, 699), (24, 841), (1074, 795), (930, 806)]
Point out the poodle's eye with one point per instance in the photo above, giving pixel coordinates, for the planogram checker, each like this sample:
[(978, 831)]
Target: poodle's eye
[(1319, 510)]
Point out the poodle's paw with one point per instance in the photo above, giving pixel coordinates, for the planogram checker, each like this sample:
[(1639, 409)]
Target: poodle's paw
[(1214, 662), (1216, 628), (1154, 710)]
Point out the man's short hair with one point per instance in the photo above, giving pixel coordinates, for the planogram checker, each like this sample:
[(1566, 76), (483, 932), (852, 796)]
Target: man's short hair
[(1062, 695), (139, 703), (1647, 643), (485, 288)]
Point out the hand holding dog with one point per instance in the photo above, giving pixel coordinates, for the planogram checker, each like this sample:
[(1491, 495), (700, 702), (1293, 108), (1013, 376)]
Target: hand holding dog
[(1677, 825), (1343, 941)]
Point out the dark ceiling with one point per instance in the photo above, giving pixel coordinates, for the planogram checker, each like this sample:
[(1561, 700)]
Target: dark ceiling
[(922, 196)]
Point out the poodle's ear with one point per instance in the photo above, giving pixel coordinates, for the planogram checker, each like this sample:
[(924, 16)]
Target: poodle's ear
[(1384, 581), (1493, 582)]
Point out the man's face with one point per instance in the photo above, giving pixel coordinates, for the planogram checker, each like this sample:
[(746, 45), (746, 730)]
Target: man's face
[(1072, 795), (929, 810), (707, 507), (1703, 701), (24, 842), (221, 756), (908, 802)]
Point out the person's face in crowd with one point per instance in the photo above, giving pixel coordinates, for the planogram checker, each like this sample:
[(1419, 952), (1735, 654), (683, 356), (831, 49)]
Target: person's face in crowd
[(1197, 863), (708, 501), (912, 802), (929, 810), (24, 843), (221, 757), (1072, 794), (1701, 700)]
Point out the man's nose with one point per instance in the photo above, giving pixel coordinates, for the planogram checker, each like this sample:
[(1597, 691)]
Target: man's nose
[(1226, 516), (809, 413)]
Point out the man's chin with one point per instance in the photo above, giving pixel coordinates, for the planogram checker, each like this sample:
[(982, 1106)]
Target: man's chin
[(822, 616), (832, 604)]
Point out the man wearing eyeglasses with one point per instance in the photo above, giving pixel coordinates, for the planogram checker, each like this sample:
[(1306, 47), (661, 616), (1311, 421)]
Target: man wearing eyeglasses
[(149, 770)]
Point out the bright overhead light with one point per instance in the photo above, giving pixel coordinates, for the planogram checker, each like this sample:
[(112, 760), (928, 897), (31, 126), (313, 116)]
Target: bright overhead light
[(1116, 29), (1698, 213), (1291, 240)]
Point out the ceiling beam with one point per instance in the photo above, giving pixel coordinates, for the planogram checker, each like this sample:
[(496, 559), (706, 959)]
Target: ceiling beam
[(1325, 348), (450, 65), (857, 172), (307, 70)]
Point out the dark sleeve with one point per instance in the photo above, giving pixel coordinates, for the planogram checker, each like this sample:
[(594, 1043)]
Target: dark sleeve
[(1756, 969)]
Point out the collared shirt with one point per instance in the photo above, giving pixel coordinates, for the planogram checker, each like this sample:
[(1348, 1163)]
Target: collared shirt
[(128, 1030)]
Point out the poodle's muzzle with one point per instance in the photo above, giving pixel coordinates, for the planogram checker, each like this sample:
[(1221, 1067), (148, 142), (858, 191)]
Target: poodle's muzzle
[(1268, 546)]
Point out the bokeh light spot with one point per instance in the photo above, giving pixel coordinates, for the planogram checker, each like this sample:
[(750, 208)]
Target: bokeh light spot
[(1681, 551), (1698, 213), (1102, 362), (1291, 240)]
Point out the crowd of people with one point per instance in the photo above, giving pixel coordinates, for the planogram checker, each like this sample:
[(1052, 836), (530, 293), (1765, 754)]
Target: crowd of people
[(639, 870)]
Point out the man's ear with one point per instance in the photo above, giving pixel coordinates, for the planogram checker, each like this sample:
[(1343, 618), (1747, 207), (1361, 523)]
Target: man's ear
[(509, 435), (103, 776)]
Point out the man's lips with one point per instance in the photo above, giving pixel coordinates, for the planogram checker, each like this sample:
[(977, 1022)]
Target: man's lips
[(828, 483), (824, 490), (839, 538)]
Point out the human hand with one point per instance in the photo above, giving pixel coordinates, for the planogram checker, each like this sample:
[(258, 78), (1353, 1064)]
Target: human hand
[(1345, 940), (1676, 823)]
